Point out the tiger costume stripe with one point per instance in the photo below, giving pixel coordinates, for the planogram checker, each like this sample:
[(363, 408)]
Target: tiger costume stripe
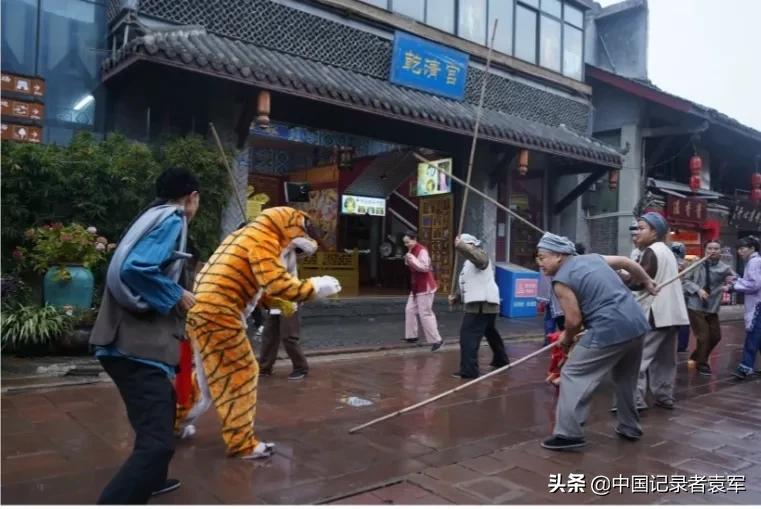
[(245, 268)]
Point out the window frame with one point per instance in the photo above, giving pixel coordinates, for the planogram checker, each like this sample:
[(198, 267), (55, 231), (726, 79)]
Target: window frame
[(539, 12)]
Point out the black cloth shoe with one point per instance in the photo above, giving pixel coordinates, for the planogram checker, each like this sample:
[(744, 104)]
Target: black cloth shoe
[(739, 374), (263, 373), (459, 375), (298, 374), (704, 369), (411, 340), (436, 346), (628, 436), (668, 405), (558, 443), (168, 486)]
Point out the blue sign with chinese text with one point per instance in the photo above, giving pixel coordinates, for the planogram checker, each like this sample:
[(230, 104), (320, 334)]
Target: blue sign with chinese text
[(421, 64)]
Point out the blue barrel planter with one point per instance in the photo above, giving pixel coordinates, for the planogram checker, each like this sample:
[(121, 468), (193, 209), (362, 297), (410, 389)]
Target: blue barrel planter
[(75, 291)]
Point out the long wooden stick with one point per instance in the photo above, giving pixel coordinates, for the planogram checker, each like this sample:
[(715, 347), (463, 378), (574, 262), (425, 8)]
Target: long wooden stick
[(504, 368), (472, 157), (678, 276), (452, 391), (479, 193), (230, 173)]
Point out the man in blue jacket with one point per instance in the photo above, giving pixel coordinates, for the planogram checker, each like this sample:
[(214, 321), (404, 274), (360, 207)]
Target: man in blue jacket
[(139, 328)]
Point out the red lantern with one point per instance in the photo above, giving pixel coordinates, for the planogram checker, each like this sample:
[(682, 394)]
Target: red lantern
[(755, 184), (263, 109), (613, 180), (523, 162), (695, 183), (696, 165)]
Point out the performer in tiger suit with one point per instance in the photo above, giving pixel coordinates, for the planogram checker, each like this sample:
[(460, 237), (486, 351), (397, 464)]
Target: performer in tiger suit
[(245, 268)]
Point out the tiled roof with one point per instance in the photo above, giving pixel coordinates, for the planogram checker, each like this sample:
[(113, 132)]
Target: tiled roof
[(692, 107), (200, 51)]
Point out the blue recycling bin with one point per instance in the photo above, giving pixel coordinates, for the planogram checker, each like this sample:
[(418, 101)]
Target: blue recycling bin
[(517, 290)]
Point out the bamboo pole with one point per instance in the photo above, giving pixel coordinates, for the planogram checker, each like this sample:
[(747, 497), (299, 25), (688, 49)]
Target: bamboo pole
[(229, 170), (472, 157), (504, 368)]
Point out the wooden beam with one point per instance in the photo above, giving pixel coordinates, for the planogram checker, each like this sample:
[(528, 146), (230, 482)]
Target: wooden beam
[(676, 130), (578, 190)]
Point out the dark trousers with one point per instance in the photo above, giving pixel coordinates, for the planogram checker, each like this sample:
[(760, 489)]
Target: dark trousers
[(149, 397), (549, 323), (707, 331), (277, 329), (752, 347), (474, 327), (257, 317), (683, 338)]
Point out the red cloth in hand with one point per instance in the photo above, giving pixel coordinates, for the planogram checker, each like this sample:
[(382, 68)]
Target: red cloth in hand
[(558, 356), (183, 384)]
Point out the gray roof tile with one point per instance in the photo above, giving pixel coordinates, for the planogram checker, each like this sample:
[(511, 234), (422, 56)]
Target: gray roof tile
[(272, 69)]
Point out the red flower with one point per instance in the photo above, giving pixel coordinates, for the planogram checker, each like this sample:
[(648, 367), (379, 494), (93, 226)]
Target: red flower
[(65, 237), (18, 255)]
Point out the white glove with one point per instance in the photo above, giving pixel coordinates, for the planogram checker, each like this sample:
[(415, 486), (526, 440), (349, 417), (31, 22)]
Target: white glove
[(325, 286)]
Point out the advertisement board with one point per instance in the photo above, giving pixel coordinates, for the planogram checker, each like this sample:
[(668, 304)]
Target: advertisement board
[(361, 205), (431, 181)]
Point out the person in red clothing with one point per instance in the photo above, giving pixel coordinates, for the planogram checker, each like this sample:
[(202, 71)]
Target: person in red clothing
[(423, 289)]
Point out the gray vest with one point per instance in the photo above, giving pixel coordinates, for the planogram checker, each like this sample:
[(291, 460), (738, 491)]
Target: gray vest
[(148, 335), (608, 309)]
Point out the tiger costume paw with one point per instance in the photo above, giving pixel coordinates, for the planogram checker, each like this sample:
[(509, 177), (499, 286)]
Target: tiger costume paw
[(325, 286)]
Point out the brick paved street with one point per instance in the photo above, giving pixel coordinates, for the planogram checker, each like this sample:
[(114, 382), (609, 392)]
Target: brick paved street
[(478, 446)]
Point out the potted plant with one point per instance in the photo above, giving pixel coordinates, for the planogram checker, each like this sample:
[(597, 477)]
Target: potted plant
[(65, 254)]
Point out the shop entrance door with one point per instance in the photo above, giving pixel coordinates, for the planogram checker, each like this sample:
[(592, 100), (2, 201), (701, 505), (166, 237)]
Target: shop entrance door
[(526, 199)]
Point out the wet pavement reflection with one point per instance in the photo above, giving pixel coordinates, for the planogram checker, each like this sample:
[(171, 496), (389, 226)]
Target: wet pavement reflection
[(480, 445)]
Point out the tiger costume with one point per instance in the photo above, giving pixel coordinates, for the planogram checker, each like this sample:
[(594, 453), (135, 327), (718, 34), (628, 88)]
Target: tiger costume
[(245, 268)]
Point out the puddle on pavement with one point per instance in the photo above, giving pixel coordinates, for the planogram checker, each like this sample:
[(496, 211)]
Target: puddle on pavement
[(355, 401)]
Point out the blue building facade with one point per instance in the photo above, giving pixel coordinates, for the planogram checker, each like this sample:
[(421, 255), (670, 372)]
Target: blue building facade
[(64, 42)]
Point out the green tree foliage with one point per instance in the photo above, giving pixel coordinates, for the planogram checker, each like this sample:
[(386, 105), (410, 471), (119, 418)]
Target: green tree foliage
[(102, 183)]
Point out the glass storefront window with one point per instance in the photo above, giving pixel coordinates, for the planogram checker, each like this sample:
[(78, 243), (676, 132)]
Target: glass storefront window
[(71, 33), (532, 30), (572, 52), (471, 23), (501, 10), (415, 9), (525, 34), (440, 14), (19, 41), (549, 44), (553, 7), (574, 16)]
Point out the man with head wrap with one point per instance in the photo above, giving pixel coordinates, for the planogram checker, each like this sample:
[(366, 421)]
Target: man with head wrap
[(480, 295), (666, 312), (591, 293)]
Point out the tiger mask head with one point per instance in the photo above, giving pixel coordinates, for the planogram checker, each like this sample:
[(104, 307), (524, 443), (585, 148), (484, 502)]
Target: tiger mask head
[(292, 228)]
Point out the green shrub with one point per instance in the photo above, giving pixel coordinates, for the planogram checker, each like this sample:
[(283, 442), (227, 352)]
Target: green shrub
[(104, 183), (206, 162), (61, 245), (32, 328)]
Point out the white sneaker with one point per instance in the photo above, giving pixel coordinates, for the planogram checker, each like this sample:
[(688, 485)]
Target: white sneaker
[(186, 432), (261, 451)]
